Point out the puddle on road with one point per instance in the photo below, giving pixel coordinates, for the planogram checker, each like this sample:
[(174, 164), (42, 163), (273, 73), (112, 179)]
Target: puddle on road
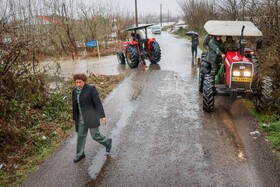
[(101, 159), (97, 163)]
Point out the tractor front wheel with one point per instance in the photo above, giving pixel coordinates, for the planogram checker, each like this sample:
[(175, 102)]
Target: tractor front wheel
[(204, 69), (154, 53), (208, 93), (132, 56), (121, 58)]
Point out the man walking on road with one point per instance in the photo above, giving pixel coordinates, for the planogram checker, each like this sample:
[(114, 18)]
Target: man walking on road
[(87, 114)]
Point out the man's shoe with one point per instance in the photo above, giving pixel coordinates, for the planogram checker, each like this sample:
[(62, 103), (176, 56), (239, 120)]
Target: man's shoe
[(109, 146), (78, 158)]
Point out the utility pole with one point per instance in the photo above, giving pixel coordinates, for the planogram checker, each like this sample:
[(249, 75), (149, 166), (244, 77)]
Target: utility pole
[(161, 15), (136, 14), (168, 17)]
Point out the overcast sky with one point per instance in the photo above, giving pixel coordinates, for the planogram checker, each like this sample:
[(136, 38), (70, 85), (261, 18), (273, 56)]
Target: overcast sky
[(153, 6), (149, 6)]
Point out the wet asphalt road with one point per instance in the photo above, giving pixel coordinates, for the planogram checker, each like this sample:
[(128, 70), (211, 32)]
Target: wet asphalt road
[(161, 136)]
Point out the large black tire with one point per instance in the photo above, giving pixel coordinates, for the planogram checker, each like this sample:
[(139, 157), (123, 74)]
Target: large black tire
[(255, 65), (203, 56), (265, 99), (154, 53), (256, 68), (121, 58), (208, 93), (132, 56), (205, 68)]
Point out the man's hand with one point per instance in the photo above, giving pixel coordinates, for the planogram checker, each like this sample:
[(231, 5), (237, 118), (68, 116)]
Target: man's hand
[(223, 55), (104, 120)]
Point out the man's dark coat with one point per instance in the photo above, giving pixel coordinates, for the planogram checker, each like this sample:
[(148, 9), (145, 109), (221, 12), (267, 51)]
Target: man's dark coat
[(91, 106)]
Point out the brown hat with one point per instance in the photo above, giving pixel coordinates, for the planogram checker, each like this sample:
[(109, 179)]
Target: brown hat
[(80, 76)]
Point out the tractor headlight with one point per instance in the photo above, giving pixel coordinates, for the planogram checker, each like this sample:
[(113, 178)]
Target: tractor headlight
[(236, 73), (247, 74)]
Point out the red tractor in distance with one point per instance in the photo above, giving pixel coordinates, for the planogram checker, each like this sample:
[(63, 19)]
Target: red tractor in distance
[(238, 72), (138, 49)]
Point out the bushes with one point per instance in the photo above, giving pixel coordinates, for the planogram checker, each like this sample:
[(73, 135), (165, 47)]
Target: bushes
[(30, 121), (270, 65)]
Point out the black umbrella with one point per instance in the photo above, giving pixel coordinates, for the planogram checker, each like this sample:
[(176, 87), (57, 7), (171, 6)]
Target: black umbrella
[(191, 33)]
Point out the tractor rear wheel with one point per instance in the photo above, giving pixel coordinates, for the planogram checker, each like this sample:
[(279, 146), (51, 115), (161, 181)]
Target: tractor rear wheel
[(208, 93), (265, 99), (121, 58), (154, 54), (255, 64), (132, 56), (256, 68), (205, 68)]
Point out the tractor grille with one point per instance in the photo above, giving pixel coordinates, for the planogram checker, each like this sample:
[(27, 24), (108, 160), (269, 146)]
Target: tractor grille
[(241, 81), (240, 85)]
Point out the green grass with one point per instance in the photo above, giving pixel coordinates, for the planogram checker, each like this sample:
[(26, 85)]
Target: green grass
[(269, 123)]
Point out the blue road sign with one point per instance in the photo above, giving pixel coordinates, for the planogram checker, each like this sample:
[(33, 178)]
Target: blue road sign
[(92, 43)]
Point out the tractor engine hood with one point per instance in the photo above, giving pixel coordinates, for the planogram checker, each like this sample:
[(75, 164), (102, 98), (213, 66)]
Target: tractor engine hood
[(235, 57)]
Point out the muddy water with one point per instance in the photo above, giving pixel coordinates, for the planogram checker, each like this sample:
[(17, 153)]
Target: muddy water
[(104, 65)]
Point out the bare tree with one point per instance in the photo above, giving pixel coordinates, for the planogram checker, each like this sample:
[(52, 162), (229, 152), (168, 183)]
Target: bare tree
[(229, 9), (196, 13)]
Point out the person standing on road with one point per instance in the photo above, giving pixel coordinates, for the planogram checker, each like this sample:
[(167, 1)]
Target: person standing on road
[(214, 53), (87, 113), (194, 45)]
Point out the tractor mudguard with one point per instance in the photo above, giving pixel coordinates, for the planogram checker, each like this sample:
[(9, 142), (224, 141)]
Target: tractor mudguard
[(150, 41), (220, 72)]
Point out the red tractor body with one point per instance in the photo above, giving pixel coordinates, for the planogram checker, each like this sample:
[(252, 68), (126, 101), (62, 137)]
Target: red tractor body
[(138, 49), (238, 72)]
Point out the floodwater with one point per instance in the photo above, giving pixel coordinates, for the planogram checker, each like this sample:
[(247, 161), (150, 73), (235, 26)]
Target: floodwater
[(107, 65), (161, 136)]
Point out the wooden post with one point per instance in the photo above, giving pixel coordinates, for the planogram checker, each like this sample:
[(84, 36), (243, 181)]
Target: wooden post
[(97, 45)]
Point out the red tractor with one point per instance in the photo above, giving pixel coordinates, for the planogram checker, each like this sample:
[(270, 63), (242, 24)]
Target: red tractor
[(238, 73), (139, 49)]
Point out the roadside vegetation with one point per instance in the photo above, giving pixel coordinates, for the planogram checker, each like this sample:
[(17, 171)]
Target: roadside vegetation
[(271, 125), (30, 132), (265, 15), (35, 119)]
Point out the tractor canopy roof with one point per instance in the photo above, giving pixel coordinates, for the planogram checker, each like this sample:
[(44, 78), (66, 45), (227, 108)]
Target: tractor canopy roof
[(137, 28), (231, 28)]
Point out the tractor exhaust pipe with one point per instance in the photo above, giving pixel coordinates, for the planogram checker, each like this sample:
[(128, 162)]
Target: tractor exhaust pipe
[(242, 42)]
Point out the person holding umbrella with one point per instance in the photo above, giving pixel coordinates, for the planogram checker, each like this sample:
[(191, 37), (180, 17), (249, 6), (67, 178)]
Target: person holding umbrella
[(194, 42)]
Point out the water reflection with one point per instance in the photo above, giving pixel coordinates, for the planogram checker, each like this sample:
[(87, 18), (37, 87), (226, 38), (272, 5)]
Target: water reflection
[(194, 68), (154, 67), (122, 67)]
